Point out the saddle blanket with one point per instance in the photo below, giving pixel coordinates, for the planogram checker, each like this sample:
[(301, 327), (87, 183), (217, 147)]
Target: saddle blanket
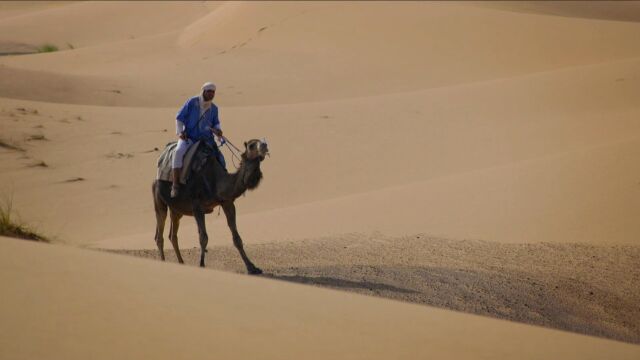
[(166, 158)]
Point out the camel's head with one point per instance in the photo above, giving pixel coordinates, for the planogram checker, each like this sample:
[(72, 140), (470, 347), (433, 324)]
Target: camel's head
[(256, 149)]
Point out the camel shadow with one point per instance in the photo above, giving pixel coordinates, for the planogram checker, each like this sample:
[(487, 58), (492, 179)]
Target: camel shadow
[(339, 283)]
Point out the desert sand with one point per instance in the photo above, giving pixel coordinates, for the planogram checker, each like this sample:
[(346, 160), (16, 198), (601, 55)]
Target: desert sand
[(471, 158), (71, 303)]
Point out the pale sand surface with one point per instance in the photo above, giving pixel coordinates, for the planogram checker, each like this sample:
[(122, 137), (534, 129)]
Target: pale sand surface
[(505, 134), (75, 304)]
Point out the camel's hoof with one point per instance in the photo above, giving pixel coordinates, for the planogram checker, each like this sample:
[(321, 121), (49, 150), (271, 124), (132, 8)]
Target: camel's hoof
[(255, 271)]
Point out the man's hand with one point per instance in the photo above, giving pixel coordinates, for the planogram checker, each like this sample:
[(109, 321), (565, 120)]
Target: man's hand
[(182, 136), (217, 132)]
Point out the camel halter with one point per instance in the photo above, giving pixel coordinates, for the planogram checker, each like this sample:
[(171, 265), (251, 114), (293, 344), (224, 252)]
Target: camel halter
[(236, 154)]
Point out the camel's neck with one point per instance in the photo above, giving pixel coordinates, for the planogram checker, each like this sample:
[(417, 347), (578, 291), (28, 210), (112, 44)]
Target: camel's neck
[(230, 186), (248, 177)]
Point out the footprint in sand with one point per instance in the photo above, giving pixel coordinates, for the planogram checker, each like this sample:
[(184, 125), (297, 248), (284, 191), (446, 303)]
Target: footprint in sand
[(75, 179), (37, 137), (25, 111), (114, 155), (41, 164), (10, 145)]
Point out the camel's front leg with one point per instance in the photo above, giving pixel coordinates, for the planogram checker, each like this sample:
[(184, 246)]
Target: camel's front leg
[(230, 213), (198, 214)]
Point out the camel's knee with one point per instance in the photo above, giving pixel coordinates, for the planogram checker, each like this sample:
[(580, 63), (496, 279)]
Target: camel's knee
[(159, 237), (159, 229), (237, 241), (204, 241)]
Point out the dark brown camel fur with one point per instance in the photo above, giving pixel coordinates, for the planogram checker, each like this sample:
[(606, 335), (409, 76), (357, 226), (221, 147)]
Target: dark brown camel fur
[(211, 186)]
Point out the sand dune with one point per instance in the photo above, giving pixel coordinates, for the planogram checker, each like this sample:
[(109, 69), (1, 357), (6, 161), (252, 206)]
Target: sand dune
[(74, 302), (587, 289), (550, 199), (91, 23), (623, 11), (10, 9), (306, 59), (415, 137), (500, 131)]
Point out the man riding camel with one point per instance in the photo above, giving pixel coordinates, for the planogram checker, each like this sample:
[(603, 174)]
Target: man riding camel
[(197, 120)]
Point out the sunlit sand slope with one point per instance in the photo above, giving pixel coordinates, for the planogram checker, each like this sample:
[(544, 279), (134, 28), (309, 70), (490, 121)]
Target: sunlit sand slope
[(75, 304)]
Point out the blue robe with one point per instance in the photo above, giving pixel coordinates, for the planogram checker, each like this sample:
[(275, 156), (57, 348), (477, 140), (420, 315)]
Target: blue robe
[(199, 128)]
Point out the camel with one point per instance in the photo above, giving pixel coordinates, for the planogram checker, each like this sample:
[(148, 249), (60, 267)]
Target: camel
[(206, 189)]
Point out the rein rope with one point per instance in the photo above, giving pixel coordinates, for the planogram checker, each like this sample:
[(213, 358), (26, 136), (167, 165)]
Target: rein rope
[(235, 154)]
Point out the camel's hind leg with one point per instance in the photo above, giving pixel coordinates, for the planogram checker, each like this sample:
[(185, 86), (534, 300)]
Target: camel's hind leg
[(161, 217), (198, 214), (173, 233)]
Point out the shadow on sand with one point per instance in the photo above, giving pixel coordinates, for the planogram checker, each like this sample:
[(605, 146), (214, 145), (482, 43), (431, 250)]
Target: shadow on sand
[(339, 283)]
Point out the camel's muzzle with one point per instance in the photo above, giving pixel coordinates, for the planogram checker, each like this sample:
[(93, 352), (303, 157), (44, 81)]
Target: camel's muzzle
[(264, 151)]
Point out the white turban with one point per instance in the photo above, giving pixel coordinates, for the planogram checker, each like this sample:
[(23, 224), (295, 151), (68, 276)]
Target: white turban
[(208, 86)]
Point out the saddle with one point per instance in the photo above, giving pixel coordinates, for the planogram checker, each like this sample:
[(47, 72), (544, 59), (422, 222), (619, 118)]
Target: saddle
[(194, 159)]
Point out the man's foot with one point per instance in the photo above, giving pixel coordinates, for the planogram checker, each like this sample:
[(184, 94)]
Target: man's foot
[(175, 191)]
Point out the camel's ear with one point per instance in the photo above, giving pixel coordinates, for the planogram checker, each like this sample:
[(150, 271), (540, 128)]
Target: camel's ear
[(245, 145)]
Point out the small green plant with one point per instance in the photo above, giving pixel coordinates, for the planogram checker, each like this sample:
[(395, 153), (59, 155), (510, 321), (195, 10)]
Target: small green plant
[(47, 48), (9, 228)]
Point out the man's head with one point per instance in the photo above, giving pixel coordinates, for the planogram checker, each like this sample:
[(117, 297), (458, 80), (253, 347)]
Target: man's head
[(208, 91)]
